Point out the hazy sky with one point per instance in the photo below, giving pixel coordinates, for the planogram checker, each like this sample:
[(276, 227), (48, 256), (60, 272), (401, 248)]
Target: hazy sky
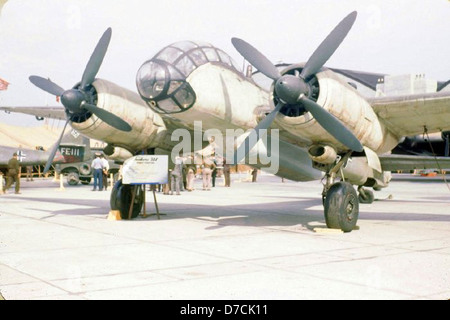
[(55, 38)]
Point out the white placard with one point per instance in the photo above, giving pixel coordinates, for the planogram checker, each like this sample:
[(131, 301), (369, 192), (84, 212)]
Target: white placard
[(146, 169)]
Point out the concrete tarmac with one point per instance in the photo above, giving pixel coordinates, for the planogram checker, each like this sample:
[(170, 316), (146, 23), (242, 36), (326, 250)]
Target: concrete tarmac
[(264, 240)]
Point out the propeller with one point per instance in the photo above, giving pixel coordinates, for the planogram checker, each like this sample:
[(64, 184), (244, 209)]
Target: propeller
[(55, 149), (78, 100), (294, 89)]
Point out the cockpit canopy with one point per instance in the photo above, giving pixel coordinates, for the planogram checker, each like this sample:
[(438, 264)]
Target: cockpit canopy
[(161, 81)]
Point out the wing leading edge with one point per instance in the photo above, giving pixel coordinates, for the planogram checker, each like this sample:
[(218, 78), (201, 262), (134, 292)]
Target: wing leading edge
[(410, 115), (57, 113)]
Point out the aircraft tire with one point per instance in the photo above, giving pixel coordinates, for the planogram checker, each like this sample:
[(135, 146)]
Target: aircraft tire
[(121, 197), (369, 197), (341, 207)]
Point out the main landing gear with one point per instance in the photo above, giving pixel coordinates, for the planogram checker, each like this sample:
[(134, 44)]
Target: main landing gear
[(340, 200), (341, 207), (128, 199)]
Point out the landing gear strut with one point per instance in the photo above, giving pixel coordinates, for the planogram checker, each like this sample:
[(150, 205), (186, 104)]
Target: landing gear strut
[(340, 200)]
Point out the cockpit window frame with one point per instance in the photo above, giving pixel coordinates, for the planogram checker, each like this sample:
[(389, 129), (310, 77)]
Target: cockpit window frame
[(220, 54), (170, 57)]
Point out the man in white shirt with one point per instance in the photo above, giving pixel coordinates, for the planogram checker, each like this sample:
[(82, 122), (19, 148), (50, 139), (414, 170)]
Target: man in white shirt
[(97, 167)]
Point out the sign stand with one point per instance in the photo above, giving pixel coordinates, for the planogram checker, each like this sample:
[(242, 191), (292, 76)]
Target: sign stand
[(158, 214), (144, 170)]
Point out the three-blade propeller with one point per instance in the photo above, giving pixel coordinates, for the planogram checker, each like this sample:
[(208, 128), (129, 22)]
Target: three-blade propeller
[(292, 89), (76, 101)]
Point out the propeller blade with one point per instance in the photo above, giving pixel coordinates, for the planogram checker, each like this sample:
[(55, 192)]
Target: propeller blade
[(96, 59), (333, 125), (55, 149), (328, 46), (255, 135), (108, 117), (47, 85), (256, 58)]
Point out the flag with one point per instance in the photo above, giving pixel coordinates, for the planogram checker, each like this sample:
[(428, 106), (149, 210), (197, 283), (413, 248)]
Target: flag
[(3, 84)]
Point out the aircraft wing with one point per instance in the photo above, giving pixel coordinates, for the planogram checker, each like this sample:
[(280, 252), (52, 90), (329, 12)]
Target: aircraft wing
[(28, 157), (395, 162), (409, 115), (39, 112)]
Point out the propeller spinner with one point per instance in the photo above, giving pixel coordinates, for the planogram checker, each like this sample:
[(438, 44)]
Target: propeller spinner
[(294, 89), (77, 101)]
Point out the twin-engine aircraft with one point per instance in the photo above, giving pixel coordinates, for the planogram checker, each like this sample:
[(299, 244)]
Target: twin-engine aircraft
[(326, 129)]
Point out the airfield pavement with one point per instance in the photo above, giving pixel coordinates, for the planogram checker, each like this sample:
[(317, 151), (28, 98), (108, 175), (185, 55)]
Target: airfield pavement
[(257, 241)]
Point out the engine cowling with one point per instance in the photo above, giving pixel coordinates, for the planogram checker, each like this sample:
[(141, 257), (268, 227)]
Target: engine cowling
[(344, 102), (148, 128)]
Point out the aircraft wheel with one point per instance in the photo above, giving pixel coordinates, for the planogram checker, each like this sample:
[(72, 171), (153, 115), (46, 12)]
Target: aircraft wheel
[(366, 196), (341, 207), (121, 197)]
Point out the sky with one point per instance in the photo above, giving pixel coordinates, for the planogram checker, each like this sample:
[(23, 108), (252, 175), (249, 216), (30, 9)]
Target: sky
[(55, 38)]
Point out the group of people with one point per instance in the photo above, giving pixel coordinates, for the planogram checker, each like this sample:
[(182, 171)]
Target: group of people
[(183, 174), (100, 167)]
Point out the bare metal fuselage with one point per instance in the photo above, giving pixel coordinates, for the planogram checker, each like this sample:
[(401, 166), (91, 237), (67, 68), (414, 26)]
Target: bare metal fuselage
[(225, 99)]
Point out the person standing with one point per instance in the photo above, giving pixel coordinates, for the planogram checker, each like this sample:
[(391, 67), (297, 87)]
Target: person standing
[(97, 167), (30, 173), (176, 176), (254, 175), (214, 173), (208, 167), (105, 172), (227, 173), (184, 175), (191, 169), (13, 175)]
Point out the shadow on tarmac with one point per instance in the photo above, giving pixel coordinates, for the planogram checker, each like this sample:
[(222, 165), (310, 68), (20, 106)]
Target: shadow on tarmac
[(278, 214)]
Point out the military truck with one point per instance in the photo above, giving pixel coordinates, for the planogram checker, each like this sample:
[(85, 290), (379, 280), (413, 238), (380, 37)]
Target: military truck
[(81, 171)]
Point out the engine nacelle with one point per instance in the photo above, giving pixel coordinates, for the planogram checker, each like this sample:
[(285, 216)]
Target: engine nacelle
[(148, 127), (344, 102), (322, 154)]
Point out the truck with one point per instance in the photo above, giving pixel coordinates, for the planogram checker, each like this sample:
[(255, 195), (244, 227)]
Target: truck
[(81, 171)]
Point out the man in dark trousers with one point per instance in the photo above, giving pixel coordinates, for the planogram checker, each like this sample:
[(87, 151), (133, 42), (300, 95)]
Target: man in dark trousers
[(97, 167), (13, 175)]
